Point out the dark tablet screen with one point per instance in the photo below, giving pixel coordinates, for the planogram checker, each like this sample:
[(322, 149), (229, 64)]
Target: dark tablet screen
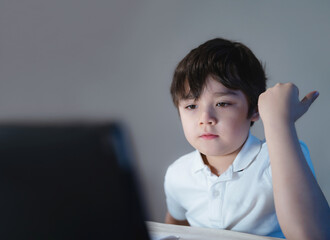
[(68, 182)]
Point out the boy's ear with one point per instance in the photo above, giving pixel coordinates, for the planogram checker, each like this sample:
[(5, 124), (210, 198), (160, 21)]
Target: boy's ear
[(255, 116)]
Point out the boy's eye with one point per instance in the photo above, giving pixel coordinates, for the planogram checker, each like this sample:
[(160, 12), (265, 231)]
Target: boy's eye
[(191, 107), (223, 104)]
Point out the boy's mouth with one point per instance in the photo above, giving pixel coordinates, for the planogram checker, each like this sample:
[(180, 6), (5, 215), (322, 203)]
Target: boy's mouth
[(209, 136)]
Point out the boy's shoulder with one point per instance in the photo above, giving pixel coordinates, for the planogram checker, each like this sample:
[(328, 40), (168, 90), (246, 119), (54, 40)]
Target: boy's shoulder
[(186, 160), (183, 172), (187, 163)]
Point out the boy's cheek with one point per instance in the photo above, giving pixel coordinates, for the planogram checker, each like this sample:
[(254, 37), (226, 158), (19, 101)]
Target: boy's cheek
[(180, 112), (187, 128), (185, 119)]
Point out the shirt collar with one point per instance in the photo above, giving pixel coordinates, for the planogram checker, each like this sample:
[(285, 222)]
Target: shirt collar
[(244, 158), (197, 163), (248, 153)]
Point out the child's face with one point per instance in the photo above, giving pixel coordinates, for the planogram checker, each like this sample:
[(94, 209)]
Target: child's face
[(216, 124)]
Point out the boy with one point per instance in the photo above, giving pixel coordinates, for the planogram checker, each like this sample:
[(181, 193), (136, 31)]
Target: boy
[(233, 180)]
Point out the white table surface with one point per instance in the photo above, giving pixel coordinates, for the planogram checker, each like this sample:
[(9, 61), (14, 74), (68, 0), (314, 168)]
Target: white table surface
[(160, 230)]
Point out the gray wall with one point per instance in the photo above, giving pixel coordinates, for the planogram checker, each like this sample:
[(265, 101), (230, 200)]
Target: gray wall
[(99, 60)]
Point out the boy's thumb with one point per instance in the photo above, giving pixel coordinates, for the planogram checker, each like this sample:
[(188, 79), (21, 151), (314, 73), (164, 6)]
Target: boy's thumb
[(310, 98)]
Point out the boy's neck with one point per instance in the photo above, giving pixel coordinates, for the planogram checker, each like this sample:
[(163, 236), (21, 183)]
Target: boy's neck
[(219, 164)]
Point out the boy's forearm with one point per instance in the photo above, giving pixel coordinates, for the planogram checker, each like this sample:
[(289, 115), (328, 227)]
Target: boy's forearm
[(301, 207)]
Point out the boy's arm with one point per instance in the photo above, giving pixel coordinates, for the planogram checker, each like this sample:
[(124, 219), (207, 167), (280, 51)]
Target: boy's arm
[(171, 220), (301, 207), (171, 201)]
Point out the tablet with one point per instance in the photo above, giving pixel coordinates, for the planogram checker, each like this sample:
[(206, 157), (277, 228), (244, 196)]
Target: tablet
[(68, 181)]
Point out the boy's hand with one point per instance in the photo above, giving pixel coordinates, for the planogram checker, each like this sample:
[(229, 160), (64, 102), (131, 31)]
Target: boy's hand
[(281, 103)]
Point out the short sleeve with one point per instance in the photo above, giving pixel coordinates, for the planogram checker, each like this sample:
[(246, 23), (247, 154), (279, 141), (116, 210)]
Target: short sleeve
[(173, 206)]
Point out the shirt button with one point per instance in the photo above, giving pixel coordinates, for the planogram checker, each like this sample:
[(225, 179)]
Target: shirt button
[(216, 193)]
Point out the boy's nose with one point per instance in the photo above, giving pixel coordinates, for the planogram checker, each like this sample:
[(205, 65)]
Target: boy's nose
[(207, 118)]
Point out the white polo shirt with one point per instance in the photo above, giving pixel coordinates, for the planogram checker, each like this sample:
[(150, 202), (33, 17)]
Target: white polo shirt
[(241, 199)]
